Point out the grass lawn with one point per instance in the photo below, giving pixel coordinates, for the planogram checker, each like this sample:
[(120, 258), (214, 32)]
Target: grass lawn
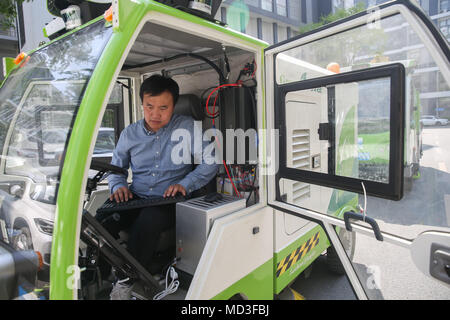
[(374, 147)]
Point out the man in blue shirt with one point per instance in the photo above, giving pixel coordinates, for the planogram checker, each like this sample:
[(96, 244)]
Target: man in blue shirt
[(146, 147)]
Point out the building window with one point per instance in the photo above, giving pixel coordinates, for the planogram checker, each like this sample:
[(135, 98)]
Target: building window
[(444, 26), (281, 8), (293, 9), (242, 22), (253, 3), (304, 12), (275, 32), (267, 5), (259, 28), (444, 6), (223, 14)]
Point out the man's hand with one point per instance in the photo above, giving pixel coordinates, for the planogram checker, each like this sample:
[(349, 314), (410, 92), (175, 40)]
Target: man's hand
[(174, 189), (122, 194)]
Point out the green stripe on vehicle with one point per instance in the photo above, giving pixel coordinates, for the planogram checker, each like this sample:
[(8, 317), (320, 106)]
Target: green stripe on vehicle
[(257, 285)]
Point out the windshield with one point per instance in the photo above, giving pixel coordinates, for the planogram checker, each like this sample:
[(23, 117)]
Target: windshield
[(38, 103)]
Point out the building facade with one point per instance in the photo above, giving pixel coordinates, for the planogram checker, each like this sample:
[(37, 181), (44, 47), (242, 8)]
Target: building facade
[(436, 99), (272, 21), (9, 46), (27, 33)]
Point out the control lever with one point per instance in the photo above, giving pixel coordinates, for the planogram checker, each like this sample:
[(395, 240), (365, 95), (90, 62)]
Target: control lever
[(356, 216)]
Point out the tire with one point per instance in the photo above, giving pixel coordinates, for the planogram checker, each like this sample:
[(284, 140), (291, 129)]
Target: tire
[(348, 240), (22, 241)]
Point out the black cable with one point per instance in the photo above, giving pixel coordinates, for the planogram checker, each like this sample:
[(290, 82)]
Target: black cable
[(253, 99), (252, 189), (123, 85), (248, 70), (240, 75), (227, 63), (182, 55)]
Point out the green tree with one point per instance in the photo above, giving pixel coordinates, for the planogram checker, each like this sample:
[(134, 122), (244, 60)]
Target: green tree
[(337, 15), (8, 12)]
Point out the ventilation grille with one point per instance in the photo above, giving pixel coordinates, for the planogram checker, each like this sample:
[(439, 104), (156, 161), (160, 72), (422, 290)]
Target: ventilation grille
[(202, 204), (300, 149), (300, 160)]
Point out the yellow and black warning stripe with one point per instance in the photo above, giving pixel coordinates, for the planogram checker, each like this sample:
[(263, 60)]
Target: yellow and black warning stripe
[(297, 254)]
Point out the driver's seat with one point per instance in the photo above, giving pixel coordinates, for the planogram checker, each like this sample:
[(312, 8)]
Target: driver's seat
[(190, 105)]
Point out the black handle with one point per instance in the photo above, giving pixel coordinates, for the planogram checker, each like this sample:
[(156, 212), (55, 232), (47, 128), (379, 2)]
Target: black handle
[(356, 216)]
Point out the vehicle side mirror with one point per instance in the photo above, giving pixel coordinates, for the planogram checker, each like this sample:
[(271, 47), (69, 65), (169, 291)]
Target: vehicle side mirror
[(17, 269)]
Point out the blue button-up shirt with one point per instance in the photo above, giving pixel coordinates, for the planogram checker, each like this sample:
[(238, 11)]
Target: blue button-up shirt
[(149, 154)]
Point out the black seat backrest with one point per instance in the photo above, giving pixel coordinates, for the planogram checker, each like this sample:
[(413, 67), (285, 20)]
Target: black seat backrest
[(190, 105)]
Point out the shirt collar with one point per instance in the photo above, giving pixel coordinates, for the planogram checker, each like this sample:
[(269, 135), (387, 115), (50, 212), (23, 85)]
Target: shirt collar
[(147, 132), (163, 129)]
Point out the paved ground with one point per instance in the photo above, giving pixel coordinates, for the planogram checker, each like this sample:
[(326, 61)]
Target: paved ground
[(386, 270), (323, 285)]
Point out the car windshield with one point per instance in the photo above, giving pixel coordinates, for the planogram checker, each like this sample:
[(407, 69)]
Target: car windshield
[(38, 103)]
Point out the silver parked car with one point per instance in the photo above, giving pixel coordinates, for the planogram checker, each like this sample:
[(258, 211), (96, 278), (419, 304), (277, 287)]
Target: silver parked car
[(433, 121)]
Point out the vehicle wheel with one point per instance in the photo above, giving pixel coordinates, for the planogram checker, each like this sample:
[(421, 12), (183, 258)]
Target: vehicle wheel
[(439, 123), (22, 241), (348, 240)]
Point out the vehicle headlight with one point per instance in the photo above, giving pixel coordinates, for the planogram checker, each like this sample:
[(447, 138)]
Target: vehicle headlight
[(44, 226)]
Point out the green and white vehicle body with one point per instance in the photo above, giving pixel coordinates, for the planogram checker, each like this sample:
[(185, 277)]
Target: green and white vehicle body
[(70, 83)]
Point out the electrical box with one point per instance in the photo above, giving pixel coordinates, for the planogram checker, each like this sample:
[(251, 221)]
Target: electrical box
[(194, 219), (238, 111)]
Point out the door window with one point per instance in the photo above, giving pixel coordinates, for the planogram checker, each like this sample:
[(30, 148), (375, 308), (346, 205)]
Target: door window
[(426, 169), (113, 123), (392, 264)]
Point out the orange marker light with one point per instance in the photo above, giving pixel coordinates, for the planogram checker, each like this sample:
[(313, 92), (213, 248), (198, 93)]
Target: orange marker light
[(20, 58), (334, 67), (41, 261), (108, 15)]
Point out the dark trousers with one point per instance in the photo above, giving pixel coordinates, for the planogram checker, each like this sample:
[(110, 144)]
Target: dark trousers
[(145, 226)]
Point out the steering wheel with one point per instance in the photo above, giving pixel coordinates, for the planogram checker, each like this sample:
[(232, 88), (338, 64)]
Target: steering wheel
[(104, 167)]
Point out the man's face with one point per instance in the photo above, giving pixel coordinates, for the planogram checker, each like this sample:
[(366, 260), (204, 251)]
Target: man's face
[(158, 110)]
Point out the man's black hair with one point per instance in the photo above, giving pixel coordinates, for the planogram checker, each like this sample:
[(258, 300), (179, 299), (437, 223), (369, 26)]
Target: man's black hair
[(157, 84)]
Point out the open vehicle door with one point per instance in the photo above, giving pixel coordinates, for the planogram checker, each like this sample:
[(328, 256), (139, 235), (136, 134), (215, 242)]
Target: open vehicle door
[(345, 102)]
